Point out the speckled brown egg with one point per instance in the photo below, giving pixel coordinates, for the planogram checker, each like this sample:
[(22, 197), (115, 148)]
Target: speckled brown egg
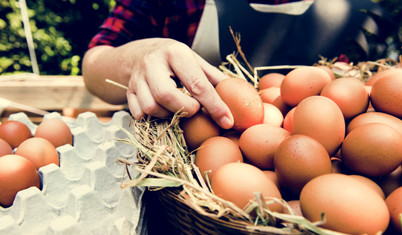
[(320, 118), (259, 143), (394, 203), (373, 149), (238, 182), (349, 205), (298, 159), (56, 131), (386, 93), (303, 82), (198, 128), (214, 153), (349, 94), (375, 117)]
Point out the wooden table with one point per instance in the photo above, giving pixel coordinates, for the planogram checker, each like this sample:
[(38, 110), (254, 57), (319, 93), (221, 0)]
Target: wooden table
[(36, 95)]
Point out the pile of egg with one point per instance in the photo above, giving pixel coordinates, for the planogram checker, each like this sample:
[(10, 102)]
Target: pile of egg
[(325, 143)]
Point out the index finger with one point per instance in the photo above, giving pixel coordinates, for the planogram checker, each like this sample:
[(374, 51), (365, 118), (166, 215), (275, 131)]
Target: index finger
[(192, 76)]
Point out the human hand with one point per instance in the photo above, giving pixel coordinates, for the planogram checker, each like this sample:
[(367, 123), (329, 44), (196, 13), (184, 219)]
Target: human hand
[(152, 90)]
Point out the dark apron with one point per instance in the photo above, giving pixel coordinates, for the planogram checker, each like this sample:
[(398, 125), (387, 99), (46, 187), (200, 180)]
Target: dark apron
[(271, 38)]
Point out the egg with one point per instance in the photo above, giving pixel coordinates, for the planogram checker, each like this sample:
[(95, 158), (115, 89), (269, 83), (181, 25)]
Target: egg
[(386, 93), (272, 115), (259, 142), (16, 173), (375, 117), (238, 182), (5, 148), (39, 151), (349, 94), (294, 208), (370, 183), (394, 203), (272, 176), (214, 153), (243, 100), (56, 131), (303, 82), (320, 118), (383, 73), (288, 121), (198, 128), (232, 135), (298, 159), (374, 149), (272, 95), (348, 205), (391, 182), (14, 132), (270, 80), (328, 70)]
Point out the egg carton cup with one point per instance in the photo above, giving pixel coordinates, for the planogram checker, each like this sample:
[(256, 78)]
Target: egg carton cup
[(83, 194)]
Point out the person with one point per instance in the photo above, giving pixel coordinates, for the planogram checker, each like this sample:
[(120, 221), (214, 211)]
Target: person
[(151, 46)]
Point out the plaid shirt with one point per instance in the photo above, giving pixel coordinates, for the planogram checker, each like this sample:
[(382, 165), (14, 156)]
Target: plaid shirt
[(136, 19)]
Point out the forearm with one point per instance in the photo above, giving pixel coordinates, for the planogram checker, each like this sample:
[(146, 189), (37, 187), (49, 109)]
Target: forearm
[(105, 62)]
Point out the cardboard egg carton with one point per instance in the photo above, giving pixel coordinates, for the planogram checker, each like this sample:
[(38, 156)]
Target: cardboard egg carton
[(83, 194)]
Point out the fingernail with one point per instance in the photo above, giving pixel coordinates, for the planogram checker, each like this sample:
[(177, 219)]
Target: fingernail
[(225, 122)]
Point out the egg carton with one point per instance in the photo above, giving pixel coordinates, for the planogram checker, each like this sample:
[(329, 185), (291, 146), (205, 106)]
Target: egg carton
[(83, 194)]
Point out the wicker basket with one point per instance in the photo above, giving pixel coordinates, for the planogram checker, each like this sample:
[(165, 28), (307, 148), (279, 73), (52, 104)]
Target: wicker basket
[(184, 219)]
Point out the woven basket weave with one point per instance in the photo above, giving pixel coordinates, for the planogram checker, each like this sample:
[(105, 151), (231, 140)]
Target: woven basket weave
[(186, 220)]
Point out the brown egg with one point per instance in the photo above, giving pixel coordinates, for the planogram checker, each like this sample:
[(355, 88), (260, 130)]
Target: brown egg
[(349, 205), (272, 176), (14, 132), (5, 148), (288, 121), (298, 159), (349, 94), (270, 80), (386, 94), (238, 182), (294, 206), (243, 101), (56, 131), (374, 149), (198, 128), (394, 203), (272, 95), (16, 173), (375, 117), (320, 118), (39, 151), (303, 82), (370, 183), (391, 182), (216, 152), (272, 115), (232, 135), (383, 73), (328, 70), (259, 142)]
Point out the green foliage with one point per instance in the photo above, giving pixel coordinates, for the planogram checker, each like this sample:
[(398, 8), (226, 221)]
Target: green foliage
[(61, 31)]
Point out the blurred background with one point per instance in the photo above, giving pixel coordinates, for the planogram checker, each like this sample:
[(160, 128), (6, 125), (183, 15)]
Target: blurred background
[(62, 29)]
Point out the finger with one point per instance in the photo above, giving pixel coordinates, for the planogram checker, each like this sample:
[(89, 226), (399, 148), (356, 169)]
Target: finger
[(213, 74), (164, 90), (186, 67), (134, 106), (146, 101)]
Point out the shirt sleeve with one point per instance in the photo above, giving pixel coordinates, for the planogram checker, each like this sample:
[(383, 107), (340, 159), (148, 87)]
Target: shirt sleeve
[(130, 20)]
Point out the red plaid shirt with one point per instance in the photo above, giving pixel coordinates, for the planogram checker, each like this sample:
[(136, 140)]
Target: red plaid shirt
[(135, 19)]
